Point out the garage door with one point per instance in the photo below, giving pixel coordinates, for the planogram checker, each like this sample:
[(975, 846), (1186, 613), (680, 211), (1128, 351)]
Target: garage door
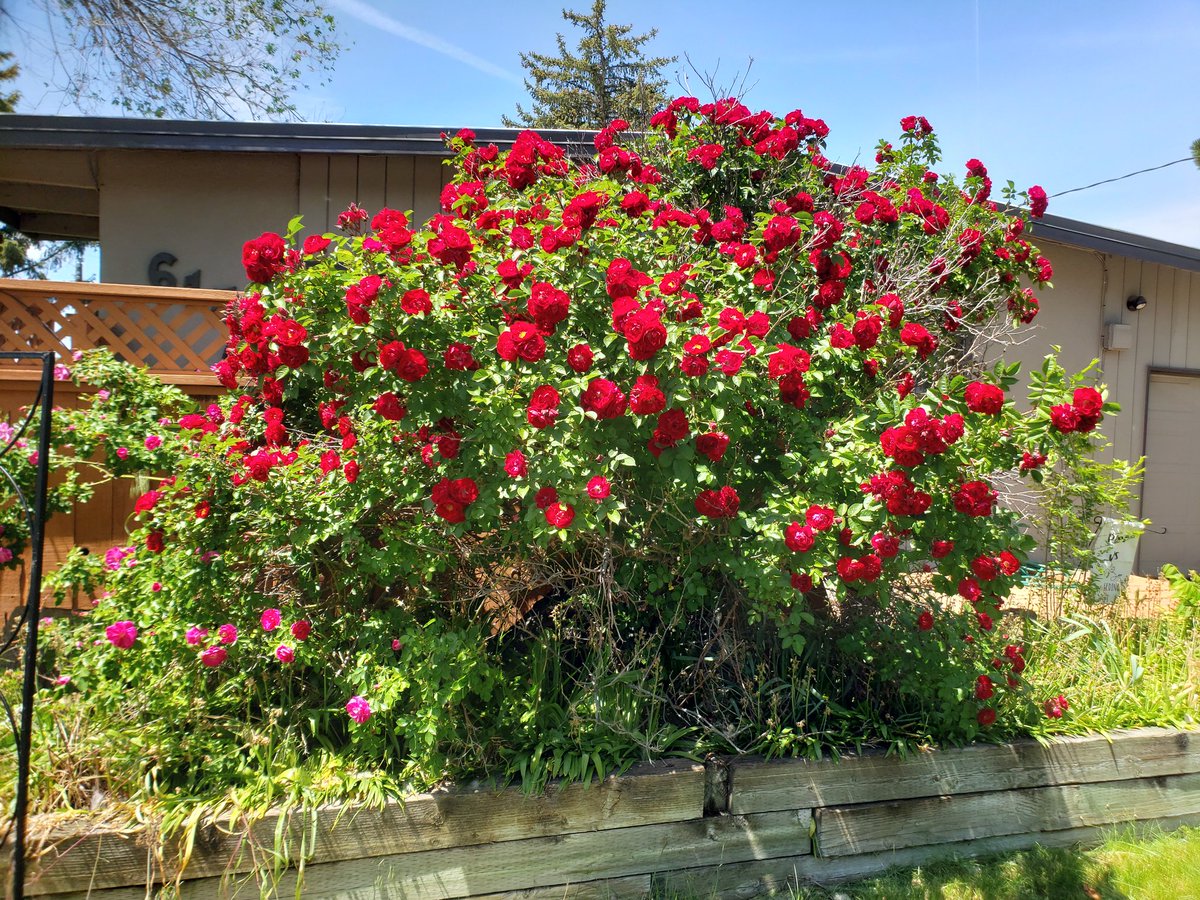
[(1171, 492)]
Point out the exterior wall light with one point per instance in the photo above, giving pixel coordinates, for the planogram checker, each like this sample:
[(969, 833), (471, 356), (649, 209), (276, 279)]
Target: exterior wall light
[(1136, 304)]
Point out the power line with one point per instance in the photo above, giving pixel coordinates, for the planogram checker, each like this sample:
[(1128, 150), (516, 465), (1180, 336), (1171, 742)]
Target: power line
[(1173, 162)]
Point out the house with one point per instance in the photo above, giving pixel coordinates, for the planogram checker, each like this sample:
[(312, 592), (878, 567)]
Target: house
[(172, 202)]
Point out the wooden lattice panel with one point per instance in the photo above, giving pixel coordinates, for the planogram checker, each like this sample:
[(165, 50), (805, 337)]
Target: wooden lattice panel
[(172, 331)]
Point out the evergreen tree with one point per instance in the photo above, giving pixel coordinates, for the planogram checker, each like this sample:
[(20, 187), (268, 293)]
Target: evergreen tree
[(8, 72), (606, 78)]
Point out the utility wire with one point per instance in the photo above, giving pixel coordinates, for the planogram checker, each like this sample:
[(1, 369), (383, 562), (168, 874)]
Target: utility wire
[(1173, 162)]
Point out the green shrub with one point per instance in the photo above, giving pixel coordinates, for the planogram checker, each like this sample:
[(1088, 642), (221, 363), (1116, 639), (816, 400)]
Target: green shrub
[(604, 462)]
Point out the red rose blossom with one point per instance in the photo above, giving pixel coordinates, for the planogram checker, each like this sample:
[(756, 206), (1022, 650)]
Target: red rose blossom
[(580, 358), (416, 302), (263, 257), (712, 444), (603, 398), (798, 538), (983, 688), (543, 407), (645, 334), (645, 398), (548, 306), (974, 498), (514, 464), (458, 357), (984, 398), (719, 504), (521, 340), (560, 515), (388, 406), (941, 549), (598, 487), (1064, 417), (918, 336), (1037, 201), (819, 518)]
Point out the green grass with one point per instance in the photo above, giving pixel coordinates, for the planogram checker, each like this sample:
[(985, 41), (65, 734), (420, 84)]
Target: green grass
[(1118, 671), (1156, 866)]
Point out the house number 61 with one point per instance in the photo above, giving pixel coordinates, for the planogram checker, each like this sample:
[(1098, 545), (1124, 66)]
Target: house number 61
[(160, 274)]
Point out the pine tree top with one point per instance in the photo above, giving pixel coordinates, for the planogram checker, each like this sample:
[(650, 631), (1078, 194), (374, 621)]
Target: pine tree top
[(606, 77)]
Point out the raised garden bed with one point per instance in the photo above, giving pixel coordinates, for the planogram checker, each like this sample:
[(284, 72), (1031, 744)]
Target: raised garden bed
[(730, 828)]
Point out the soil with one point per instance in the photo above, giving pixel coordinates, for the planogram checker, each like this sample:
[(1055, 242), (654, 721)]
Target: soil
[(1144, 597)]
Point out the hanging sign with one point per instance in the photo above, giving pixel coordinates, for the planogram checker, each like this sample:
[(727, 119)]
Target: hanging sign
[(1115, 547)]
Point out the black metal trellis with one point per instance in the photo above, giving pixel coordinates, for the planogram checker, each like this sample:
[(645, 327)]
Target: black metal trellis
[(35, 519)]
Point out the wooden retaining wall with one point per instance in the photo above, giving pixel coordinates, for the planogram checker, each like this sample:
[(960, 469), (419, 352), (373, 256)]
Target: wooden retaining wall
[(730, 828)]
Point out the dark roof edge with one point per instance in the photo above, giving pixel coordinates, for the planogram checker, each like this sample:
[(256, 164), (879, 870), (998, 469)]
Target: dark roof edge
[(100, 132), (1110, 240)]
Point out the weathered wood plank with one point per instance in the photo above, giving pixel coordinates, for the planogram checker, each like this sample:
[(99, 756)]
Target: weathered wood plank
[(650, 793), (636, 886), (757, 877), (876, 827), (633, 886), (758, 786), (65, 289), (753, 879), (536, 863)]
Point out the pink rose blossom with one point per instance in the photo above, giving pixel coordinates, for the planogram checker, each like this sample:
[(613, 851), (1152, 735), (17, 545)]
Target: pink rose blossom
[(121, 634), (271, 619), (284, 653), (227, 634), (196, 635), (213, 656), (122, 453), (358, 709), (300, 630), (153, 442)]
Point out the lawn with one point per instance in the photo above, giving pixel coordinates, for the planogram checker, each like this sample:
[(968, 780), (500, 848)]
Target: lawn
[(1153, 866)]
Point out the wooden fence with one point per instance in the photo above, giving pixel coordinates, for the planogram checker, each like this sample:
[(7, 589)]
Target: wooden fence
[(175, 332), (730, 828)]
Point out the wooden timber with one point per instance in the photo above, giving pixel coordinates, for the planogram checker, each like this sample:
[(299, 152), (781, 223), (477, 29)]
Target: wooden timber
[(874, 827), (646, 831), (757, 786)]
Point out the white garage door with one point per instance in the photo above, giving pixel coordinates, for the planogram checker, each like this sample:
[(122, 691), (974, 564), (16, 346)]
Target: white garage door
[(1171, 493)]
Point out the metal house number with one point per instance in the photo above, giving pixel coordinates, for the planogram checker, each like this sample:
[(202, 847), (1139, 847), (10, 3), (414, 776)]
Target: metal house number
[(160, 274)]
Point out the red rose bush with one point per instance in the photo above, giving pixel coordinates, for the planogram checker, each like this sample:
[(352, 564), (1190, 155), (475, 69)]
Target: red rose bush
[(693, 402)]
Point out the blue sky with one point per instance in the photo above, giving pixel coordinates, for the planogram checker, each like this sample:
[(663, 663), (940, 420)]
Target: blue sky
[(1056, 92)]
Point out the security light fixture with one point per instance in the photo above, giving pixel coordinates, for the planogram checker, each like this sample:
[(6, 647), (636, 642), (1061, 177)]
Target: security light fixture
[(1136, 304)]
